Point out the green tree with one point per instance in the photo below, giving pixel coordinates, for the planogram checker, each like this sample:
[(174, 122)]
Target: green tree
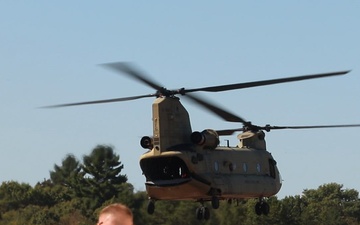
[(230, 212), (291, 210), (44, 216), (63, 174), (69, 175), (14, 195), (76, 211), (102, 170), (21, 216), (331, 204)]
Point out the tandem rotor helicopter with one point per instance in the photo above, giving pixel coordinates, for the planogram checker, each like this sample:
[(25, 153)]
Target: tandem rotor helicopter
[(182, 164)]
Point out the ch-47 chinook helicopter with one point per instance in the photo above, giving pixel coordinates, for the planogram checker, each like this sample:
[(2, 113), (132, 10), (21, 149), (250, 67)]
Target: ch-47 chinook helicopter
[(182, 164)]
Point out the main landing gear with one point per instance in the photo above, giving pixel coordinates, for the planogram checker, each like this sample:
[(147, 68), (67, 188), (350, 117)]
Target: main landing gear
[(262, 207), (151, 207), (203, 212)]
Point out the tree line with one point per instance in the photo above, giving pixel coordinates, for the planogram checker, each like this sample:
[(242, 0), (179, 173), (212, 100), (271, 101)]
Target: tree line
[(76, 191)]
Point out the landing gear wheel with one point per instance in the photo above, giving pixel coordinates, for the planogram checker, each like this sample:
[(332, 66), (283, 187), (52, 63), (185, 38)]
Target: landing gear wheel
[(206, 213), (262, 208), (258, 210), (265, 208), (151, 207), (202, 213), (199, 215), (215, 202)]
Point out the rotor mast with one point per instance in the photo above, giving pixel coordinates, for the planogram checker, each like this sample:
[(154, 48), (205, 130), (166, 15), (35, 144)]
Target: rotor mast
[(171, 124)]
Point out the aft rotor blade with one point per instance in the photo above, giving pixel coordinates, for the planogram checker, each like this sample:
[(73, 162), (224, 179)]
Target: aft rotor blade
[(265, 82), (309, 127), (268, 128), (228, 131), (129, 70), (216, 110), (100, 101)]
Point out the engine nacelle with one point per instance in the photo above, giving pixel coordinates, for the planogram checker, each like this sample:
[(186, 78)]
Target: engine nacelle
[(146, 142), (207, 138)]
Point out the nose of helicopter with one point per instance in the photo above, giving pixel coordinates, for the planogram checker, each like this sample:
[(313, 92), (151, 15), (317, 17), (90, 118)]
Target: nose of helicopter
[(169, 170), (169, 178)]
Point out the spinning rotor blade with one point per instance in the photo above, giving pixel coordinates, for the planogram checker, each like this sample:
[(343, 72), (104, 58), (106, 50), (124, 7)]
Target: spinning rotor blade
[(100, 101), (265, 82), (126, 68), (129, 70), (228, 131), (269, 128), (220, 112), (309, 127)]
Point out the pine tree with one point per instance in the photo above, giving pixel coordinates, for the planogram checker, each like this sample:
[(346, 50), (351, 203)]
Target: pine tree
[(102, 170)]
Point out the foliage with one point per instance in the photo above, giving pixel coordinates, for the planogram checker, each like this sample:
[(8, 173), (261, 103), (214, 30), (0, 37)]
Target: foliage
[(102, 176), (14, 195), (67, 172), (331, 204)]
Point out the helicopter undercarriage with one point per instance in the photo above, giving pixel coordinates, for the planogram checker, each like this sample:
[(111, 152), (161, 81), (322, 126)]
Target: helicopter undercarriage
[(203, 212)]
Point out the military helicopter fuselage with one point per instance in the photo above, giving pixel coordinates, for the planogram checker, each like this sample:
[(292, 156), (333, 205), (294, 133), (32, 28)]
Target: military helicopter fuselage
[(182, 164), (186, 165)]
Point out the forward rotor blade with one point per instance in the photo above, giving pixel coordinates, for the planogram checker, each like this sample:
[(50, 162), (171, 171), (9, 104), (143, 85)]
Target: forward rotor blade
[(216, 110), (309, 127), (100, 101), (129, 70), (265, 82)]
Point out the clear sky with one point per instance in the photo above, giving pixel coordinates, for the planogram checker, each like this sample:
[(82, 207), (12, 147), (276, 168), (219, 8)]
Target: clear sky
[(50, 53)]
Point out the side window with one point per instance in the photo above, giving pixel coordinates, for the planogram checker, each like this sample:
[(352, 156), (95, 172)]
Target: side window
[(216, 166), (245, 167), (272, 164), (258, 167)]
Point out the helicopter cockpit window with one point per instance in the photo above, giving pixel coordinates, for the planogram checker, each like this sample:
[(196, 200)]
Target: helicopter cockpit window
[(272, 170)]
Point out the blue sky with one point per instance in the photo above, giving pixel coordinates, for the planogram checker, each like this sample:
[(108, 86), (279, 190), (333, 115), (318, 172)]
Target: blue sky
[(50, 53)]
